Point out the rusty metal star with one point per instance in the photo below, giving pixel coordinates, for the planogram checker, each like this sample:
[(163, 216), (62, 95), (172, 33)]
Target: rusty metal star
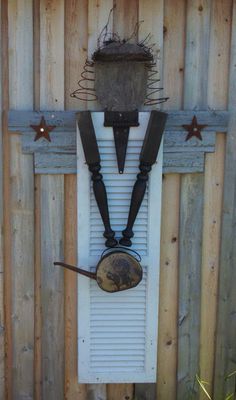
[(42, 130), (194, 129)]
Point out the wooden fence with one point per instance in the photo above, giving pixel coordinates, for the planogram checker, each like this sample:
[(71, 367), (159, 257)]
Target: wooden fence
[(44, 44)]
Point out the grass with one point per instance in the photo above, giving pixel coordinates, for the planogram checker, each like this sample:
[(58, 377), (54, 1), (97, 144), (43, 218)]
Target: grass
[(203, 386)]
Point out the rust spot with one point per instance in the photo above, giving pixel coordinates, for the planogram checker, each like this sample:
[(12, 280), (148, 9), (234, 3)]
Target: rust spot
[(174, 239), (200, 8), (167, 263), (181, 69), (169, 342), (164, 30)]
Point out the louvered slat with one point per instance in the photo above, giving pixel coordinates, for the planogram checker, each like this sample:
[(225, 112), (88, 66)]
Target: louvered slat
[(117, 331)]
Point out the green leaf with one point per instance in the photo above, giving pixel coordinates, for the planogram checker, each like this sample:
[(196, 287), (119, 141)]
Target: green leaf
[(230, 375), (203, 387), (229, 397)]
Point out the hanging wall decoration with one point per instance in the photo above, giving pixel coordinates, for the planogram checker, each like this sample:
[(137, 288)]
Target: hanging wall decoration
[(123, 75)]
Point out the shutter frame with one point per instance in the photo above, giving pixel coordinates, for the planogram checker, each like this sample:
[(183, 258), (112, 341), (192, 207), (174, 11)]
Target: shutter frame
[(93, 366)]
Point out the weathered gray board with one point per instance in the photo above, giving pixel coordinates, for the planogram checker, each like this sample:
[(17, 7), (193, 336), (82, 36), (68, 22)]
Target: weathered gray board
[(59, 155)]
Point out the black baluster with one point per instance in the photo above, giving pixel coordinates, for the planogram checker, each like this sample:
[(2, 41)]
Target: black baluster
[(136, 201), (101, 199), (91, 152)]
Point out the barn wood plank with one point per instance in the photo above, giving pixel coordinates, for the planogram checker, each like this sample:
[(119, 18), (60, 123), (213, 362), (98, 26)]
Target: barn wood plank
[(173, 57), (196, 59), (121, 391), (37, 218), (151, 13), (213, 186), (195, 96), (22, 202), (215, 120), (191, 209), (168, 308), (52, 205), (65, 142), (125, 19), (2, 322), (225, 342), (98, 13), (52, 292), (76, 31), (145, 391), (225, 334), (7, 387)]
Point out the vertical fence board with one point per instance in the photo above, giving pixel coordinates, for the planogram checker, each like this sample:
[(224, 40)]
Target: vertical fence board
[(2, 338), (22, 202), (6, 205), (98, 12), (52, 221), (37, 218), (196, 54), (151, 13), (173, 56), (195, 96), (76, 29), (52, 206), (189, 282), (168, 308), (125, 18), (225, 343), (213, 187)]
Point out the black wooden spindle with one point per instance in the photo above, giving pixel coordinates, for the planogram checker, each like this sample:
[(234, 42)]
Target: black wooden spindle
[(101, 199), (148, 157), (138, 193), (91, 152)]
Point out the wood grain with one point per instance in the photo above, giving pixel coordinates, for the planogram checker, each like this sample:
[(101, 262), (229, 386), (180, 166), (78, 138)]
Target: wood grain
[(76, 42), (195, 96), (52, 206), (225, 343), (196, 54), (22, 202), (168, 308), (37, 218), (173, 59), (2, 322), (122, 391), (191, 209), (6, 205), (213, 186), (52, 289), (125, 19), (98, 12), (213, 191), (152, 14)]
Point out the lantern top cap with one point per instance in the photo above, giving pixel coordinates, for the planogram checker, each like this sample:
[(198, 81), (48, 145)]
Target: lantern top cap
[(123, 51)]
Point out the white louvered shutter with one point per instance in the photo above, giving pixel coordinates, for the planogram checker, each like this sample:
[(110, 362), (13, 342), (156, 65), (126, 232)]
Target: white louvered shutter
[(117, 332)]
